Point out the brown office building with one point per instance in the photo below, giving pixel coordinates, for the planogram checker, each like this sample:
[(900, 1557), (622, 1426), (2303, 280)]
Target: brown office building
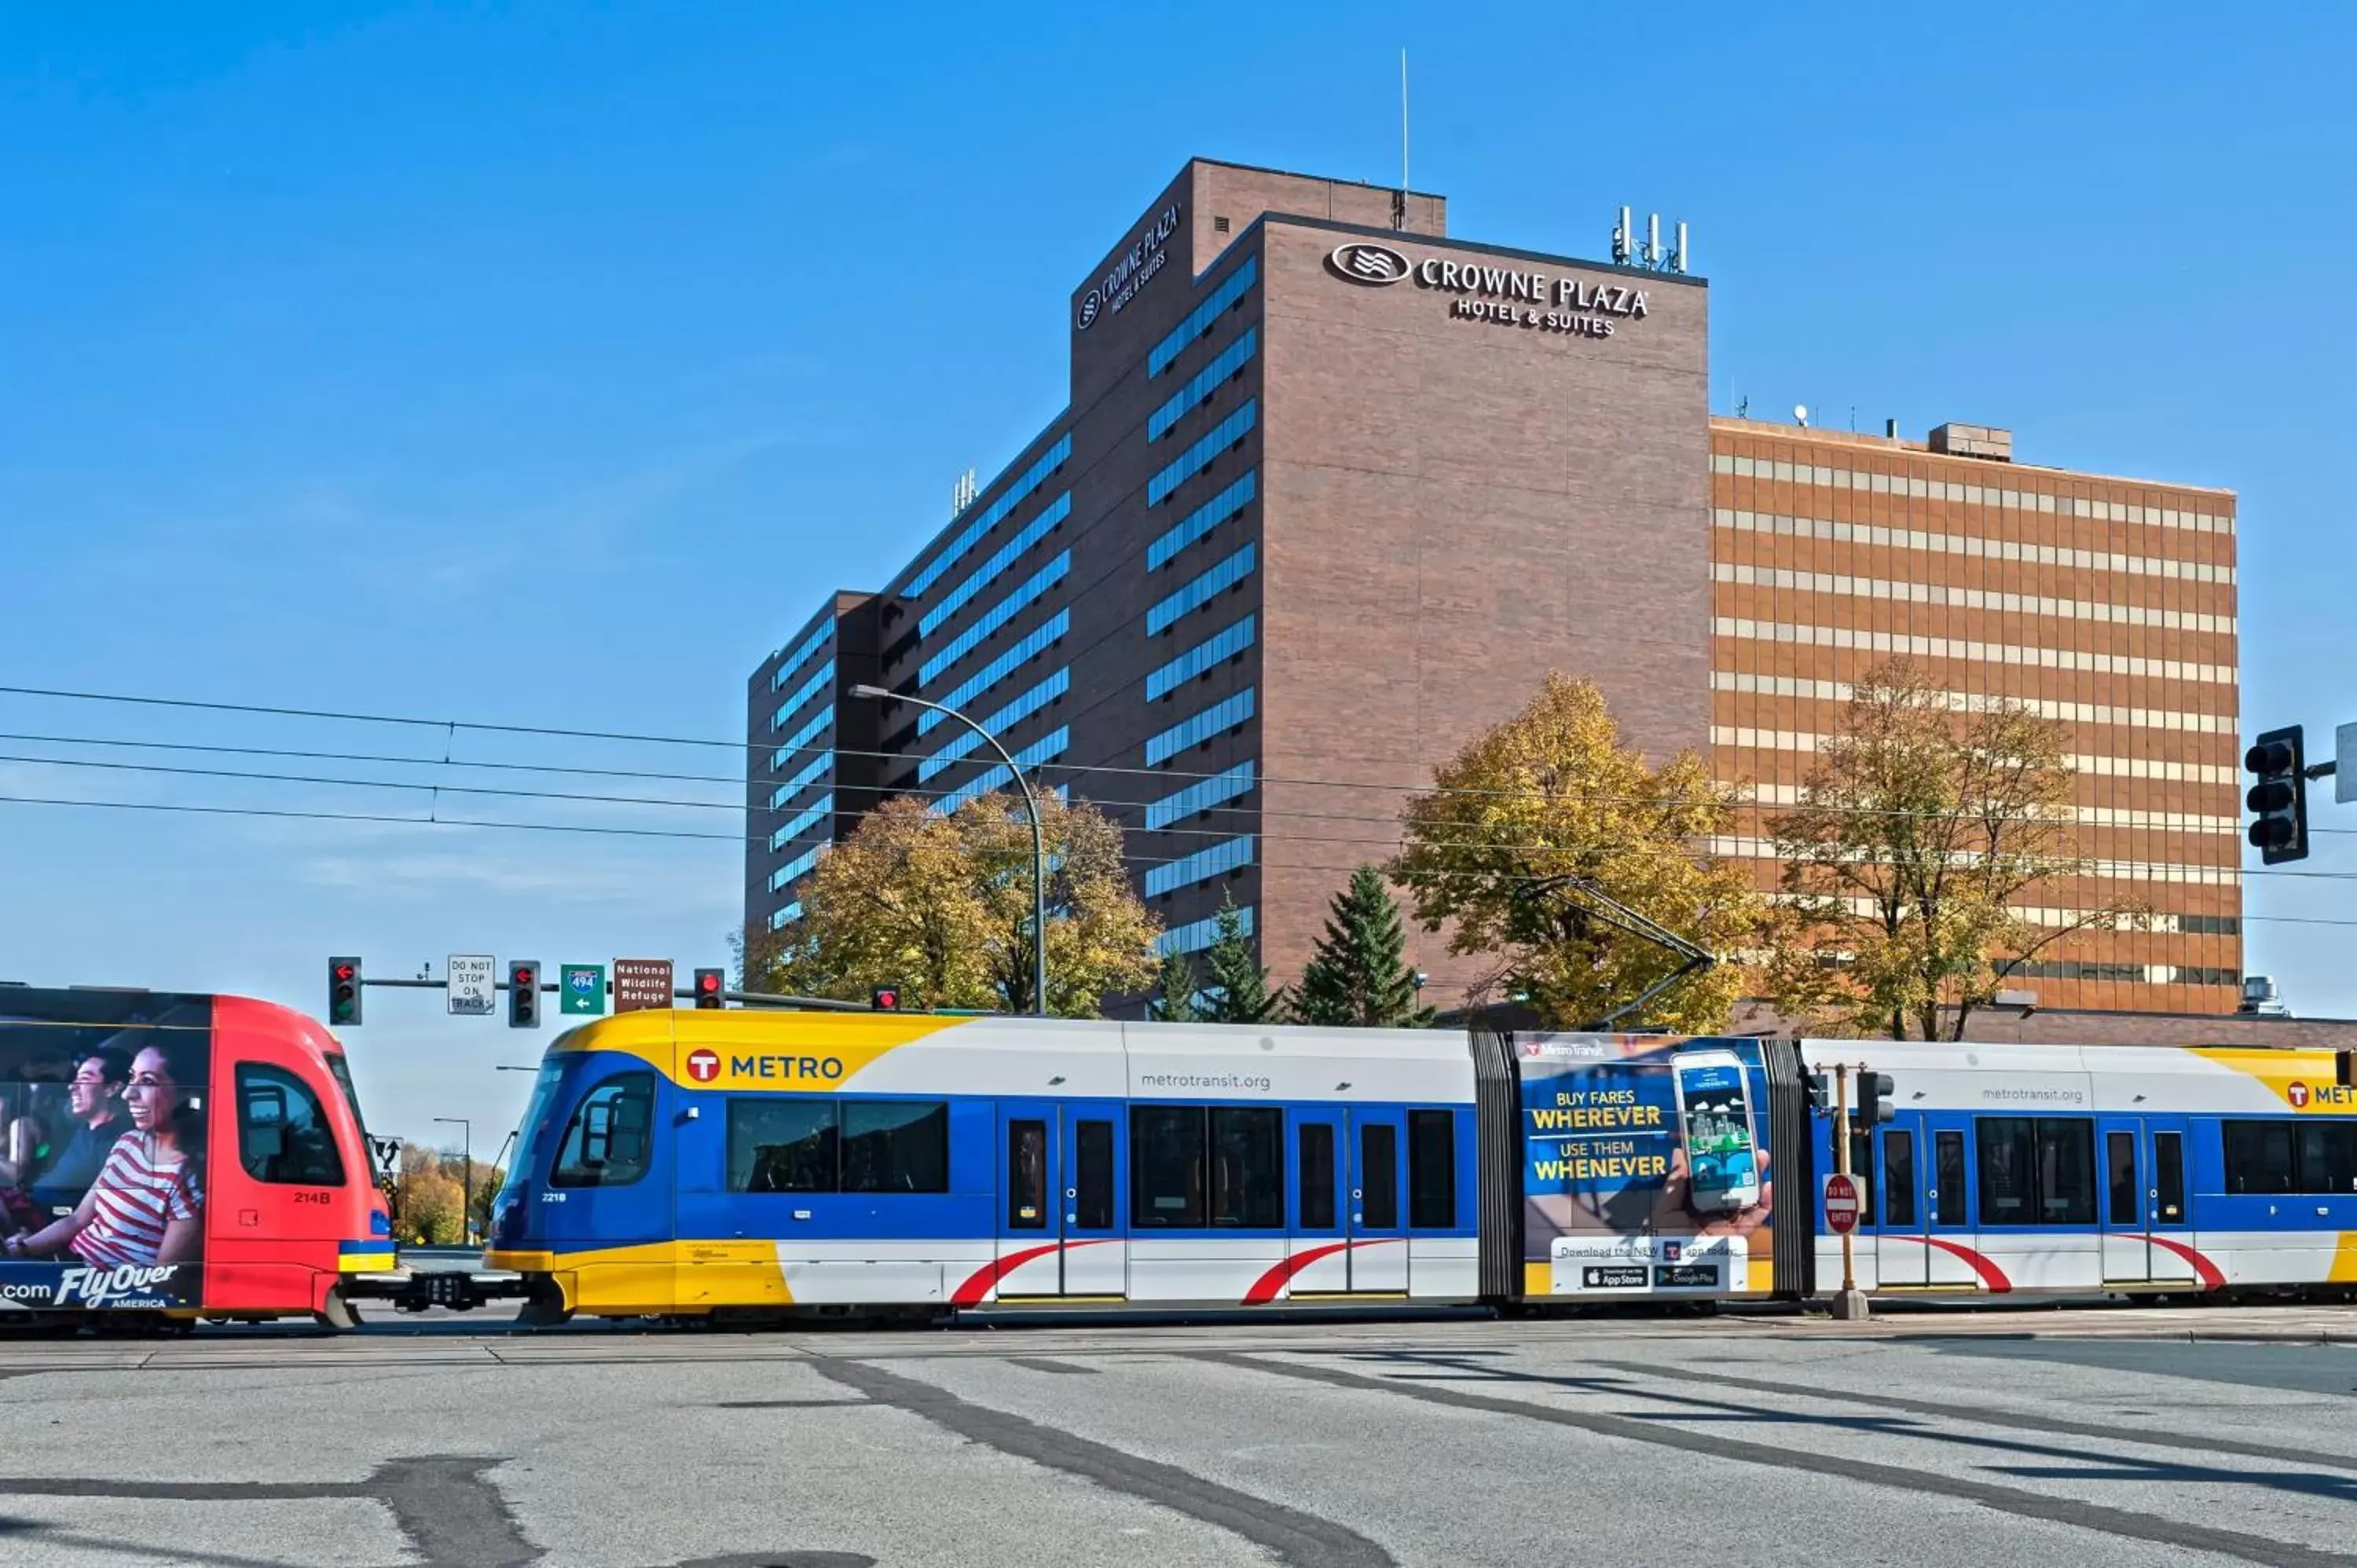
[(1333, 490)]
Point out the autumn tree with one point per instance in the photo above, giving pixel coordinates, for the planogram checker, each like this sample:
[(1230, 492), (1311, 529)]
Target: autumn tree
[(1235, 986), (428, 1197), (1921, 832), (939, 906), (1552, 793), (1358, 973)]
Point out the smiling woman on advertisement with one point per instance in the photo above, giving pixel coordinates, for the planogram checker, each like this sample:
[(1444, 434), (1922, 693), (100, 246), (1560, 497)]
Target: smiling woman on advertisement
[(147, 1205)]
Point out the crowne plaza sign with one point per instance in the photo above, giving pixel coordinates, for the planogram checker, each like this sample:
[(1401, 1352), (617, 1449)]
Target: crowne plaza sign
[(1508, 296)]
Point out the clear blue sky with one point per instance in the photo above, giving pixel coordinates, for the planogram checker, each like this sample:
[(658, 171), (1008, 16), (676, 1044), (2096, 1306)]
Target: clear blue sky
[(542, 363)]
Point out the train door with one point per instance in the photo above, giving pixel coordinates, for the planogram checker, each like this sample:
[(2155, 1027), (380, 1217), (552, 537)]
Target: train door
[(2140, 1209), (1320, 1215), (1059, 1202), (1951, 1242), (1377, 1210), (1901, 1247)]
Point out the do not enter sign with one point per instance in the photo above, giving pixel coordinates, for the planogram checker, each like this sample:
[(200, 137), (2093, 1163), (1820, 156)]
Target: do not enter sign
[(1841, 1204)]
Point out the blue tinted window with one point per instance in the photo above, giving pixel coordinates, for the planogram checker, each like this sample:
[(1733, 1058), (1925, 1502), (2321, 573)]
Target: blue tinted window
[(791, 747), (1045, 749), (1031, 644), (822, 807), (1211, 721), (816, 768), (1201, 384), (793, 869), (996, 615), (781, 919), (1199, 866), (1021, 708), (802, 693), (988, 518), (1200, 796), (1193, 460), (1201, 521), (1197, 934), (1204, 656), (1000, 559), (802, 655), (1199, 321), (1203, 589)]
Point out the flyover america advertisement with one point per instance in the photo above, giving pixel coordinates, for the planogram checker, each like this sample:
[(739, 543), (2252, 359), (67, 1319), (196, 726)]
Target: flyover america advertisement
[(1645, 1165), (102, 1167)]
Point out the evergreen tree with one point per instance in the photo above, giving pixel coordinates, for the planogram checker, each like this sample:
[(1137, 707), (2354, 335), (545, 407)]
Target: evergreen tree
[(1236, 986), (1175, 986), (1358, 977)]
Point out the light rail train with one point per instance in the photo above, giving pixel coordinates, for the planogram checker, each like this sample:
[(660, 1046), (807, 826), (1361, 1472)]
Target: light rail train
[(756, 1165)]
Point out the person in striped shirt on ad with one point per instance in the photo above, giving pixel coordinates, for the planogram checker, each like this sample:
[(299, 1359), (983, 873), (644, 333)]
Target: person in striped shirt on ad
[(146, 1207)]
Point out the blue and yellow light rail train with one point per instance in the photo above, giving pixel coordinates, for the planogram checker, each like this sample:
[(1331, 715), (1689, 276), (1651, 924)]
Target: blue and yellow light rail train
[(758, 1165)]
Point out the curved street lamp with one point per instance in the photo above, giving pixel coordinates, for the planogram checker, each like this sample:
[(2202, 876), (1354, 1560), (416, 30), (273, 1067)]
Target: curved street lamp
[(1038, 843)]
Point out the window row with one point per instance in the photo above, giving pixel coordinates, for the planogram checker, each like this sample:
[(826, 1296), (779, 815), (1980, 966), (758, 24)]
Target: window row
[(1047, 749), (811, 688), (1227, 363), (1050, 518), (1746, 574), (1201, 591), (999, 615), (1971, 494), (989, 517), (1972, 545), (1198, 1167), (788, 831), (785, 915), (2192, 873), (2092, 765), (1199, 321), (1029, 646), (1229, 854), (1972, 650), (1014, 713), (2303, 1156), (2126, 973), (1199, 660), (1200, 796), (1197, 934), (1967, 701), (1203, 520), (810, 772), (784, 875), (1229, 713), (789, 1145), (792, 746), (1199, 456), (802, 655)]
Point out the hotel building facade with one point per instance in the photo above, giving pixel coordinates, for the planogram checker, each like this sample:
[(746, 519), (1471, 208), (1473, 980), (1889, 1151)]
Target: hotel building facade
[(1333, 490)]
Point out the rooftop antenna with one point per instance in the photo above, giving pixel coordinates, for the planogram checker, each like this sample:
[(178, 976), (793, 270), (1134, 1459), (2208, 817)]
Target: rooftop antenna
[(1800, 415), (1623, 238), (961, 494), (1399, 198)]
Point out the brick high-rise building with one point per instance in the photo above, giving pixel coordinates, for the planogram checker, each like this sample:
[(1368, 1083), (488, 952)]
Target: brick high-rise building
[(1334, 489)]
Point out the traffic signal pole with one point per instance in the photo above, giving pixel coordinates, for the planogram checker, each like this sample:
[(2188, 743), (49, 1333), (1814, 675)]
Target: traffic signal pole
[(1851, 1304)]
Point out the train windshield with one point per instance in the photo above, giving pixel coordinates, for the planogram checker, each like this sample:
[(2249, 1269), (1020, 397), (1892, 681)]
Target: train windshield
[(533, 1132), (343, 1076)]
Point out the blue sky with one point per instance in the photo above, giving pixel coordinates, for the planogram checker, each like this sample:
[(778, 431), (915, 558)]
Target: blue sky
[(542, 364)]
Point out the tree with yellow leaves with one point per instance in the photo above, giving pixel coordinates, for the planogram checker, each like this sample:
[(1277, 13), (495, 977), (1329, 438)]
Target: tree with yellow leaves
[(1919, 832), (939, 906), (1551, 793)]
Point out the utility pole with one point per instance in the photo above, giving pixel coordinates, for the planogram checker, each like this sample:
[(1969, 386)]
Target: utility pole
[(1851, 1304)]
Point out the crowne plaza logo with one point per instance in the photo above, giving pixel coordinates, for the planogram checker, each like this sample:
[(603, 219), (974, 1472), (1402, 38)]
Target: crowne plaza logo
[(1364, 262)]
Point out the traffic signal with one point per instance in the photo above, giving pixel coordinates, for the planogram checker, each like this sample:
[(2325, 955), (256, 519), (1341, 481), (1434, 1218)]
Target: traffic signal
[(2279, 798), (343, 992), (523, 993), (1821, 1093), (886, 999), (1874, 1099), (709, 984)]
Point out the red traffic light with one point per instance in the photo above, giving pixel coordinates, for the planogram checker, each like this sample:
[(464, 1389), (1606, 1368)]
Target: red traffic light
[(524, 977), (343, 972), (707, 982), (886, 999)]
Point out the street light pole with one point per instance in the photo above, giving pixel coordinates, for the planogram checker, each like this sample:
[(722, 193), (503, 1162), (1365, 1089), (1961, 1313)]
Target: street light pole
[(466, 1177), (1038, 841)]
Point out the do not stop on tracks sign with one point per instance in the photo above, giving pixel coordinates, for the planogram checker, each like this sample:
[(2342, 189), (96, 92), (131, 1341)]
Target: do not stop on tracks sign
[(1841, 1204)]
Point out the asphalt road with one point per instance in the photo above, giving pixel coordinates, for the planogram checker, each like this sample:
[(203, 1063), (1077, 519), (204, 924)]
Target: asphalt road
[(2091, 1440)]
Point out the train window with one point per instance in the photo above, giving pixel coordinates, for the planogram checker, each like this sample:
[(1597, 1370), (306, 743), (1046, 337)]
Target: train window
[(1166, 1165), (1093, 1151), (2037, 1170), (2169, 1176), (2008, 1182), (2119, 1170), (896, 1145), (1027, 1176), (1248, 1167), (608, 1141), (1948, 1174), (283, 1133), (2328, 1157), (1378, 1175), (2258, 1157), (1898, 1176), (1317, 1176), (1431, 1170), (1861, 1171), (782, 1145), (2066, 1170)]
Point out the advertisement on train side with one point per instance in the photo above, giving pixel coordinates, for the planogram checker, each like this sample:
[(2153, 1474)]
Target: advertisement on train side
[(1645, 1165), (102, 1149)]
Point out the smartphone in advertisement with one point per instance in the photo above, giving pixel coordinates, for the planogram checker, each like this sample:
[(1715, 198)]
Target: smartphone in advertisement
[(1714, 1120)]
